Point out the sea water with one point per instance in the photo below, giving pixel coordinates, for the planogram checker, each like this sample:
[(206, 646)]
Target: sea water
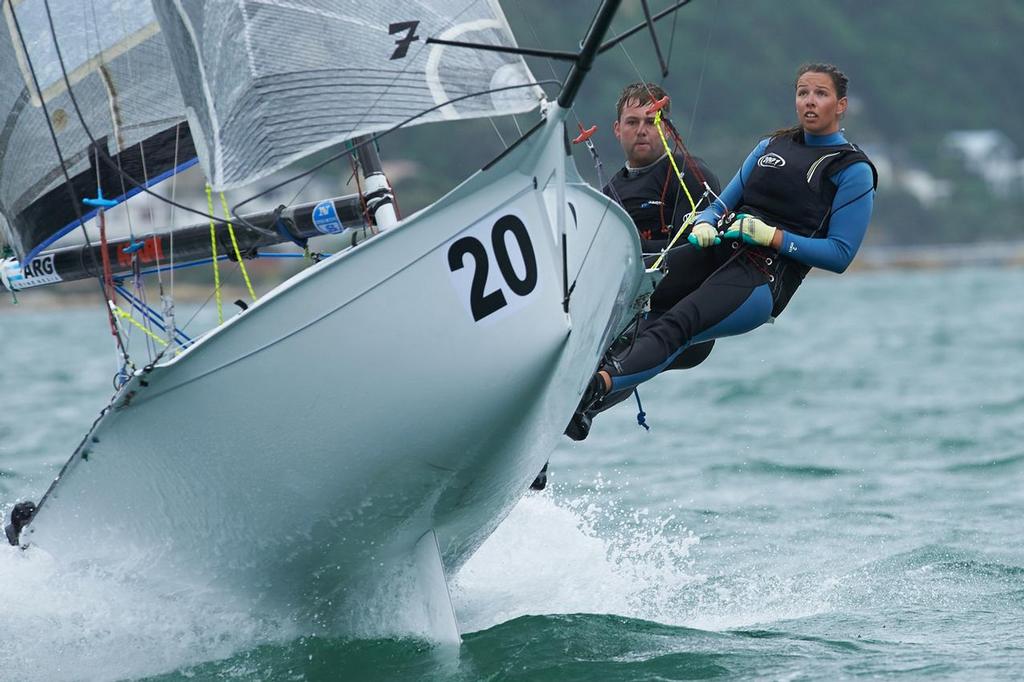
[(837, 495)]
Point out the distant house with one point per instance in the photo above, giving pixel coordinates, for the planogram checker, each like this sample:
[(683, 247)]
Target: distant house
[(929, 190), (990, 154)]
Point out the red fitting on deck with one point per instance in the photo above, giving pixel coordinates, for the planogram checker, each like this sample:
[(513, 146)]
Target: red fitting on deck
[(658, 105), (584, 134)]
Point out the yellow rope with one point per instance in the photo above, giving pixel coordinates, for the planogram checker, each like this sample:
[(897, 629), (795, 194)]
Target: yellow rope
[(234, 242), (679, 233), (672, 159), (679, 176), (213, 248), (127, 316)]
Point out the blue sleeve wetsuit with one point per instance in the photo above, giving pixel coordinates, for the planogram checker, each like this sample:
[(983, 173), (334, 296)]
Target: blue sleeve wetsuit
[(851, 211), (732, 288)]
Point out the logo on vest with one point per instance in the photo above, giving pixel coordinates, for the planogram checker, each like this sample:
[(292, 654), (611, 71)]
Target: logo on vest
[(772, 160)]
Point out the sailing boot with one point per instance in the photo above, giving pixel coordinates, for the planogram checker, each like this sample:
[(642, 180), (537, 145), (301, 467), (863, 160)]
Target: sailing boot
[(20, 516), (579, 426)]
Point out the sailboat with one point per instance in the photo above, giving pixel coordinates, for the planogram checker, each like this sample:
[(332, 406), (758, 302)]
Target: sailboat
[(276, 460)]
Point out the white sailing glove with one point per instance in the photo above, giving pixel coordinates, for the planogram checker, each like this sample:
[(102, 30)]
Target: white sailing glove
[(752, 230), (704, 235)]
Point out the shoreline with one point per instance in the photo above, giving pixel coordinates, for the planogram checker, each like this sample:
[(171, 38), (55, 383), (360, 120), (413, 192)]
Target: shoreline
[(937, 256)]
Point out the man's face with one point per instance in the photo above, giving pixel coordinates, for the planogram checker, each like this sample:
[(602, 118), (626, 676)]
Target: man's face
[(637, 134)]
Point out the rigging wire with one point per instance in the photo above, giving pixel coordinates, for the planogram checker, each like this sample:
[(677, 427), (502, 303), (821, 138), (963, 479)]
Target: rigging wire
[(497, 132), (376, 136), (703, 68), (598, 166), (317, 167), (687, 156), (641, 414), (104, 155), (60, 156), (671, 43), (167, 301)]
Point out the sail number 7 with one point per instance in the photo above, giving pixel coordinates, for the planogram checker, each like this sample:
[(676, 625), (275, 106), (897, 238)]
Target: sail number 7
[(483, 299)]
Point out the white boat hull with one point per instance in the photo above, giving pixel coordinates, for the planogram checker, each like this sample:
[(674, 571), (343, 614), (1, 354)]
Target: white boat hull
[(307, 445)]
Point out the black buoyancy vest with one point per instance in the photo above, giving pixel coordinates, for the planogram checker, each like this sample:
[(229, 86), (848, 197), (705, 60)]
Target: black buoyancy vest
[(641, 195), (790, 185)]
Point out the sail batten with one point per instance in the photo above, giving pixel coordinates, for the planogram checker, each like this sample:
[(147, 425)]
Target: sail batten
[(257, 75), (260, 83), (122, 82)]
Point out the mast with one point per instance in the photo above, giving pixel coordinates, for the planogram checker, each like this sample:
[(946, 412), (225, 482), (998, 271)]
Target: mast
[(380, 201), (589, 50)]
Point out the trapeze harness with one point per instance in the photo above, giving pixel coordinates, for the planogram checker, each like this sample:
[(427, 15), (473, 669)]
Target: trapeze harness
[(651, 196), (817, 189)]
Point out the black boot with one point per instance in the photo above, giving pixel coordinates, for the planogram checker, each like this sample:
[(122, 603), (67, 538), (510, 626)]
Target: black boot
[(594, 394), (579, 426), (20, 516)]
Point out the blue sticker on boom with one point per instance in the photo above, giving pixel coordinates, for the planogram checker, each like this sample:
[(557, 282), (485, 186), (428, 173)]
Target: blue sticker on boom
[(325, 218)]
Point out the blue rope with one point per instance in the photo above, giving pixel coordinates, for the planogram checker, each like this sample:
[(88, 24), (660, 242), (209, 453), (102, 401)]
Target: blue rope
[(641, 416), (282, 229), (207, 261), (152, 315)]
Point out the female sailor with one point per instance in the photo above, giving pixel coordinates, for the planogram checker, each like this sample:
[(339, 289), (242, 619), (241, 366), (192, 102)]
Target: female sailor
[(802, 198)]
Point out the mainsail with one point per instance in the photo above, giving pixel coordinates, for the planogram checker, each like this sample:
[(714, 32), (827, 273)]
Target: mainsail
[(267, 82), (262, 84)]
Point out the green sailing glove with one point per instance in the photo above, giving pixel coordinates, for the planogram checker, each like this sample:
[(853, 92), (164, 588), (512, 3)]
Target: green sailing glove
[(752, 230), (703, 235)]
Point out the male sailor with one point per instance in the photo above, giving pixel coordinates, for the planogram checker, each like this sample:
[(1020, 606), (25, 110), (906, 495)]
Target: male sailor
[(648, 187)]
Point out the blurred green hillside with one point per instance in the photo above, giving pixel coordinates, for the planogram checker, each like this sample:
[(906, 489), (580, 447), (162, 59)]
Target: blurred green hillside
[(920, 70)]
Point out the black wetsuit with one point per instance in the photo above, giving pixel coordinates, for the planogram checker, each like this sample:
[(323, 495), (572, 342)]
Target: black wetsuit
[(658, 205), (655, 201), (796, 184)]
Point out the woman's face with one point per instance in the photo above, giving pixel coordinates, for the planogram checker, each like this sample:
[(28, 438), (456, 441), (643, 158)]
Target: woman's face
[(817, 107)]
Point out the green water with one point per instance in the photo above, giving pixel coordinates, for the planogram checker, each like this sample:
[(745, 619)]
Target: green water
[(835, 496)]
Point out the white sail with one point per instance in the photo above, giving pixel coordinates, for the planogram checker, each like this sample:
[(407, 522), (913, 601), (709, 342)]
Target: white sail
[(264, 83), (123, 85), (267, 82)]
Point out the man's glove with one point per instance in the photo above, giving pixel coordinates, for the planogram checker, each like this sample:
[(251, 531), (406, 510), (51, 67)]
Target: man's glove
[(704, 235), (752, 230)]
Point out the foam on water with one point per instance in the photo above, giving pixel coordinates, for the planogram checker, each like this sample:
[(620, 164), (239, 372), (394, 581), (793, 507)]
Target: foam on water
[(552, 555), (548, 558), (575, 556), (59, 623)]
